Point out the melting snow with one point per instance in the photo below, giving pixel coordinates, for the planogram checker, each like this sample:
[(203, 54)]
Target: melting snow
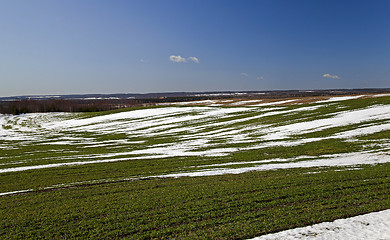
[(341, 119), (336, 99), (189, 131), (371, 226), (274, 103), (349, 159), (245, 102)]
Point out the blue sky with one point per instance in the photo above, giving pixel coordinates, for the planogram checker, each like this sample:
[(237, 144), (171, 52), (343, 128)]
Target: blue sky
[(95, 46)]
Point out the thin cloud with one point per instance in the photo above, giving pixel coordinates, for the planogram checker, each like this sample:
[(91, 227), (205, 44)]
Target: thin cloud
[(193, 59), (327, 75), (180, 59), (244, 74), (177, 59), (260, 78)]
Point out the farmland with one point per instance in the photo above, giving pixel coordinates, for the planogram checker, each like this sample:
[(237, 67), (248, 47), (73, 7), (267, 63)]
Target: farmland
[(212, 169)]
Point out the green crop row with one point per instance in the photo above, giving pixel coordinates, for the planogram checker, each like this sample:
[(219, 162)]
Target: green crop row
[(216, 207)]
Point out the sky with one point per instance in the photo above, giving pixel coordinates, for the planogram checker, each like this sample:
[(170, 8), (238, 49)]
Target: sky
[(115, 46)]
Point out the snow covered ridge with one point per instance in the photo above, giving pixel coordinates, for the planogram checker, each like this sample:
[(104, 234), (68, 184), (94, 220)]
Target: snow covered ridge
[(272, 102), (184, 132), (372, 226)]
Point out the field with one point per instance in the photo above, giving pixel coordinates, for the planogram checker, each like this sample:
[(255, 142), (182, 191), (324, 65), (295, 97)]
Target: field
[(218, 169)]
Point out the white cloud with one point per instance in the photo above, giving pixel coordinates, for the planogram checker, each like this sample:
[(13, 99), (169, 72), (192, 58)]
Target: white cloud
[(327, 75), (260, 78), (194, 59), (142, 60), (180, 59), (244, 74), (177, 59)]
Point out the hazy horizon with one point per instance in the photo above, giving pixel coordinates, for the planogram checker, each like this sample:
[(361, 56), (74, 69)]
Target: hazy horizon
[(108, 47)]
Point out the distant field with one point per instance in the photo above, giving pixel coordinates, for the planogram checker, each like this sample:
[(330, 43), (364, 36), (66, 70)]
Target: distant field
[(214, 169)]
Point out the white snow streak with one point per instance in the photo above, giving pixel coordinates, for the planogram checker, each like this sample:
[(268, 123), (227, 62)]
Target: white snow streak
[(349, 159), (336, 99), (273, 103)]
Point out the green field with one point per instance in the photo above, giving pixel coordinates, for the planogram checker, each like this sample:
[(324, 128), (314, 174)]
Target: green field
[(192, 172)]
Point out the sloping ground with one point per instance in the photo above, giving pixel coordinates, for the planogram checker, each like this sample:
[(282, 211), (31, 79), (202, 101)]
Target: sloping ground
[(79, 139), (51, 151)]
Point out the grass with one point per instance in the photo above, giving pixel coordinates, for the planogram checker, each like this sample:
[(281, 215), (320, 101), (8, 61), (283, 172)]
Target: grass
[(125, 199), (218, 207)]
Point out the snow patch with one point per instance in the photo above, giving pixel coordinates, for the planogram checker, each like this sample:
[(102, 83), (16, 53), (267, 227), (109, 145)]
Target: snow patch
[(371, 226), (336, 99), (274, 103)]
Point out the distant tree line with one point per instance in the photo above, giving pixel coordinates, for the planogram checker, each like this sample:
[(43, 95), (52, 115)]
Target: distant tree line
[(21, 106), (25, 105), (65, 105)]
